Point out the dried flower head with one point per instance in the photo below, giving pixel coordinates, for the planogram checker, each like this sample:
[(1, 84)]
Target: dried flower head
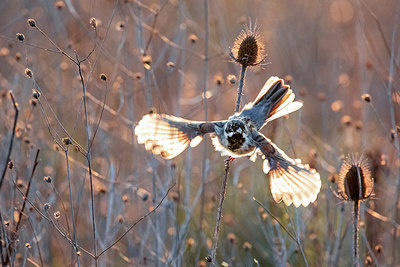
[(231, 79), (59, 5), (231, 238), (248, 48), (31, 22), (57, 215), (10, 164), (120, 26), (46, 206), (218, 79), (147, 60), (20, 36), (33, 102), (247, 246), (355, 182), (193, 38), (28, 72), (66, 141), (18, 56), (47, 179), (35, 94), (366, 97), (170, 64)]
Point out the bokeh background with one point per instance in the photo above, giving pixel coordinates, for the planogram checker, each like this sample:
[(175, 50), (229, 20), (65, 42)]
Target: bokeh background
[(172, 56)]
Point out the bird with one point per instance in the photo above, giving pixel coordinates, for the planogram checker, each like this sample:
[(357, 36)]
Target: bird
[(240, 136)]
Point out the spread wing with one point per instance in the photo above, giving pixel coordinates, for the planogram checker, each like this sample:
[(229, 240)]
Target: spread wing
[(290, 180), (168, 135), (274, 100)]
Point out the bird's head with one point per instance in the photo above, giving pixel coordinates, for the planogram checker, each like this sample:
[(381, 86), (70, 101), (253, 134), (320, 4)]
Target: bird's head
[(235, 126)]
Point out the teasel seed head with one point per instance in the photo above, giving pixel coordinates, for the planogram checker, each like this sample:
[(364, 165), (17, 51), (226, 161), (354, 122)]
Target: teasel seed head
[(20, 36), (31, 22), (248, 49), (355, 182)]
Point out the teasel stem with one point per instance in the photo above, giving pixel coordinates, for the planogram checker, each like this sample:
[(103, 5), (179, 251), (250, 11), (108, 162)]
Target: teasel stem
[(356, 215), (220, 208), (241, 83), (225, 182)]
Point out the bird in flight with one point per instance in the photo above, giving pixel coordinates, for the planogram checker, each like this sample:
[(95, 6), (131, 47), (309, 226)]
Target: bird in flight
[(239, 136)]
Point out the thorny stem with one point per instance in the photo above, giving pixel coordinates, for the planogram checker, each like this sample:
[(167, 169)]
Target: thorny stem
[(241, 83), (356, 211), (15, 104), (220, 208), (227, 167)]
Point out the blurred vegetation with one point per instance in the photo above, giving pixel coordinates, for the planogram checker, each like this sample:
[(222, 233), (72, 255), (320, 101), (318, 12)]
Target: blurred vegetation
[(341, 58)]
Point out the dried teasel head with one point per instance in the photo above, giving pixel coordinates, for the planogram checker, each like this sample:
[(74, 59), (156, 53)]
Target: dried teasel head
[(248, 49), (355, 182)]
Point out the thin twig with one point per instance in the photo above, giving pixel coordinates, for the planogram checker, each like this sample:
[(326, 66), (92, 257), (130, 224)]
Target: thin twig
[(36, 162), (15, 104), (220, 208), (59, 230), (88, 159), (276, 219), (36, 240), (75, 239), (136, 222)]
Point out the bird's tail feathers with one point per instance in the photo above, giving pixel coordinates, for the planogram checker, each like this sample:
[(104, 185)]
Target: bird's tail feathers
[(291, 181), (277, 95)]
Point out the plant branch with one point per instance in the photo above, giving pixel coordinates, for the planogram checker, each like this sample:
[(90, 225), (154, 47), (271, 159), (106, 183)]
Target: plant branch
[(136, 222), (36, 162), (15, 104)]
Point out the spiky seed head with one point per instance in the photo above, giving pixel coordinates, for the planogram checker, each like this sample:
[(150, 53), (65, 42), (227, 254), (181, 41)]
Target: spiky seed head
[(346, 120), (248, 48), (193, 38), (147, 60), (59, 5), (218, 79), (247, 246), (170, 64), (18, 56), (93, 22), (35, 94), (231, 79), (366, 97), (231, 238), (10, 164), (66, 141), (20, 36), (46, 206), (57, 215), (120, 26), (28, 72), (31, 22), (355, 182)]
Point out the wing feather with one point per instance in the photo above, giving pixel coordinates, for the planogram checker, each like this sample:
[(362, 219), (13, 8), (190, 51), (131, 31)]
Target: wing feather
[(168, 135)]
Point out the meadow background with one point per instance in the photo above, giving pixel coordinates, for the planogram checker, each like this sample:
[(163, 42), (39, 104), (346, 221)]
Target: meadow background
[(173, 56)]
